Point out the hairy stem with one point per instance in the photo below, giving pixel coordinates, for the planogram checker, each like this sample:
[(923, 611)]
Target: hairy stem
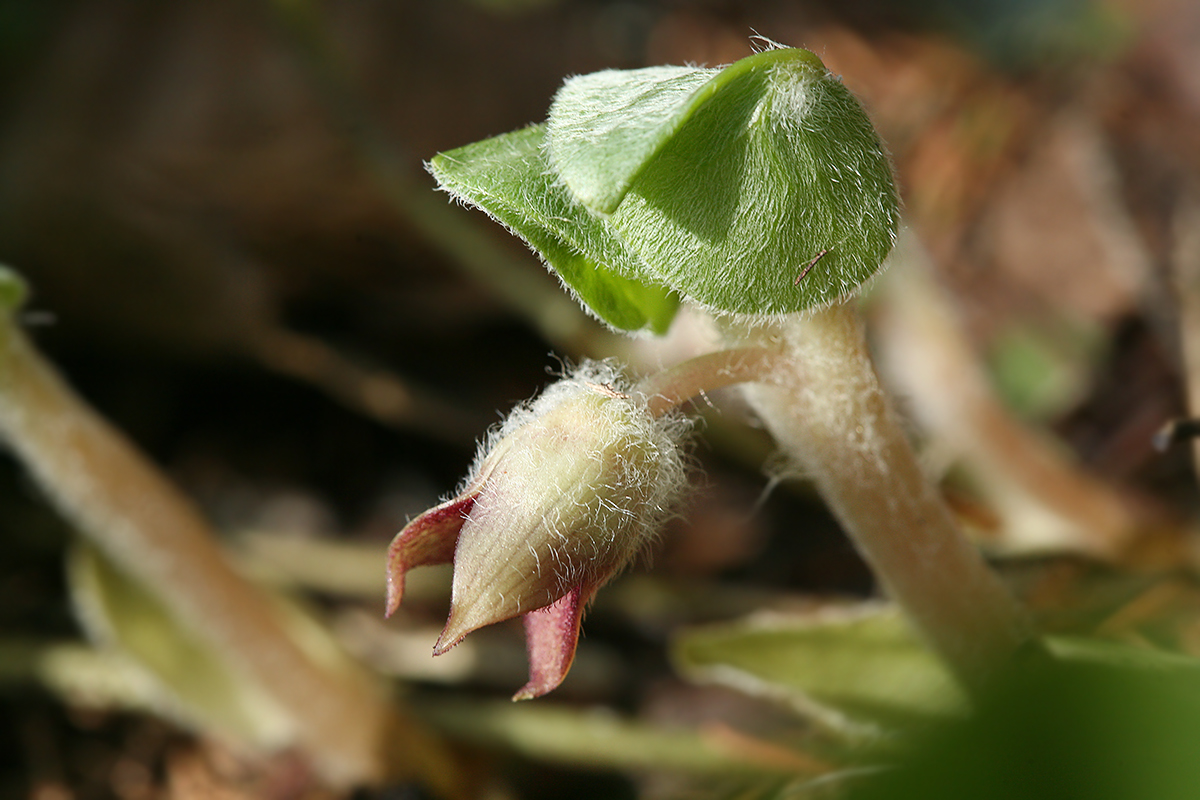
[(674, 386), (117, 498), (830, 414)]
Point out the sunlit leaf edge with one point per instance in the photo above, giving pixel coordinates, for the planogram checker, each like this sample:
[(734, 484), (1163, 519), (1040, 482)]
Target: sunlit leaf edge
[(592, 263)]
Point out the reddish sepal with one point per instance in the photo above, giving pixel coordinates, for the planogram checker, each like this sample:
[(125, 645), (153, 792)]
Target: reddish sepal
[(428, 539), (551, 634)]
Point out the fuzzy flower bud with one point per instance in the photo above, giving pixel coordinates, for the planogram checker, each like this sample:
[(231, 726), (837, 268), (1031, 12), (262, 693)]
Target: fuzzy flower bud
[(560, 499)]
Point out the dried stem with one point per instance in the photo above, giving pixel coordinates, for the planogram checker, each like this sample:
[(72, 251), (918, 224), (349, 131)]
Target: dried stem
[(829, 413), (1185, 268), (507, 276), (376, 393), (1050, 501), (113, 495)]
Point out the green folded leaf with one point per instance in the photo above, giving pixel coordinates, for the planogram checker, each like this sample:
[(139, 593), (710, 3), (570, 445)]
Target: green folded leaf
[(775, 165), (760, 188), (507, 177), (848, 668), (603, 127)]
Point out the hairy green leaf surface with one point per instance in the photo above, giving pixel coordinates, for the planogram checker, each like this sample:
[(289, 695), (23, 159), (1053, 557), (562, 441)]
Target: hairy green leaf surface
[(604, 126), (760, 188), (776, 165), (845, 667), (508, 178)]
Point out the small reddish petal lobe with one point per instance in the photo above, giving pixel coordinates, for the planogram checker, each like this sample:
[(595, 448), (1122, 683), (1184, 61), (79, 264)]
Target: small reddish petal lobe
[(551, 634), (428, 539)]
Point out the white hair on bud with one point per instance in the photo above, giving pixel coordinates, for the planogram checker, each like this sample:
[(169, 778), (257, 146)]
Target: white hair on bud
[(643, 458)]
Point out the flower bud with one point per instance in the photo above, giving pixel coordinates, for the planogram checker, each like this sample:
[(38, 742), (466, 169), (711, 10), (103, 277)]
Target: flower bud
[(561, 498)]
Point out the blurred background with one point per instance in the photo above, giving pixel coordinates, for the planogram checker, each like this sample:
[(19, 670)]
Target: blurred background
[(236, 256)]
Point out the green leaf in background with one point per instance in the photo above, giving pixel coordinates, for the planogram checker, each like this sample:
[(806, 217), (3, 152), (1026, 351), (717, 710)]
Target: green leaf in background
[(1043, 369), (597, 738), (851, 668), (13, 290), (508, 178), (195, 684), (1085, 651), (1078, 730)]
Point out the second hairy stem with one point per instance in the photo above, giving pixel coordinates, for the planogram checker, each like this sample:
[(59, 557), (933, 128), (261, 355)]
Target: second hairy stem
[(156, 536), (672, 387), (826, 408)]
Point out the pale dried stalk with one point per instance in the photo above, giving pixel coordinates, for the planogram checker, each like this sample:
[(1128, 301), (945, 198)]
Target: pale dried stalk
[(376, 393), (112, 494), (1050, 502), (830, 415), (1185, 268)]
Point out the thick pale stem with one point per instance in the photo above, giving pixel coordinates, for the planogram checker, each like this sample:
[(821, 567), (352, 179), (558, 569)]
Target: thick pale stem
[(113, 495), (828, 411)]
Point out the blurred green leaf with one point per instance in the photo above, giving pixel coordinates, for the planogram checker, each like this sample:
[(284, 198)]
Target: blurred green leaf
[(1060, 731), (1085, 650), (13, 290), (600, 738), (195, 684), (1043, 370), (81, 674), (846, 667)]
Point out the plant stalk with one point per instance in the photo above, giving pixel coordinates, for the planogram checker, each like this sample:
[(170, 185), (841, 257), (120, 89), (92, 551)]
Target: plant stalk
[(826, 408), (111, 493)]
